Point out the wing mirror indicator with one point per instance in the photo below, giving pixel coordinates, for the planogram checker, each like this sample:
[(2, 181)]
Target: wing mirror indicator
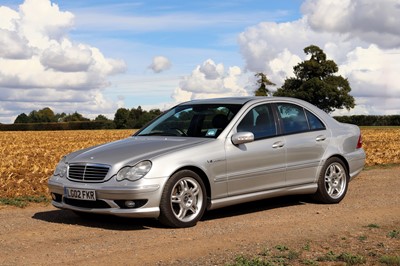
[(242, 137)]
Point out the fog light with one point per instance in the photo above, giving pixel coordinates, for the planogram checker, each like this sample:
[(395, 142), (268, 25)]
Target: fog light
[(130, 204), (53, 196)]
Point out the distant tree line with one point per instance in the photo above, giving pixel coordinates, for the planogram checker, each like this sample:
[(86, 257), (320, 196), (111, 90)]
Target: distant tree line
[(370, 120), (46, 119)]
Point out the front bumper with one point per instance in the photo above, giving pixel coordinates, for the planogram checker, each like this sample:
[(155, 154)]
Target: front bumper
[(110, 199)]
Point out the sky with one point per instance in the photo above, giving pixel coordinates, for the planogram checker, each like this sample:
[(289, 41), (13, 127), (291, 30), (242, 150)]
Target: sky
[(93, 57)]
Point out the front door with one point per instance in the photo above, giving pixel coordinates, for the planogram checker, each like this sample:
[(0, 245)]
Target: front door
[(258, 165)]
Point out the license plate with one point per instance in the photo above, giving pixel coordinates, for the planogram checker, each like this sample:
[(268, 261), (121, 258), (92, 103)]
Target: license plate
[(81, 194)]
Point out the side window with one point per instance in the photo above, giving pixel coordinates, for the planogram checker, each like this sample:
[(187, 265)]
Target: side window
[(315, 123), (293, 118), (260, 121)]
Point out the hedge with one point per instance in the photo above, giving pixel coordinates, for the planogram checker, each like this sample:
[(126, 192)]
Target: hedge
[(81, 125), (370, 120)]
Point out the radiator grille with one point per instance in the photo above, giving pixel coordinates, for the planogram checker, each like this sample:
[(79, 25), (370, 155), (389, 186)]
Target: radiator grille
[(88, 172)]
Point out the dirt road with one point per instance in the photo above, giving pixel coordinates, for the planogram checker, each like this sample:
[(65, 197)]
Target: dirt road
[(43, 235)]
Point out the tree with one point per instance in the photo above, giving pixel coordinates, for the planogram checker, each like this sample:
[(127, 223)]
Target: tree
[(75, 117), (263, 82), (315, 82), (121, 118), (21, 118), (101, 118), (46, 115)]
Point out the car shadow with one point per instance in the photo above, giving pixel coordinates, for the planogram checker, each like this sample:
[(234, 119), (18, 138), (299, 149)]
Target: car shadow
[(109, 222), (106, 222), (257, 206)]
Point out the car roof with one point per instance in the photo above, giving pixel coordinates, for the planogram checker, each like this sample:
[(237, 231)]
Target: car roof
[(242, 100)]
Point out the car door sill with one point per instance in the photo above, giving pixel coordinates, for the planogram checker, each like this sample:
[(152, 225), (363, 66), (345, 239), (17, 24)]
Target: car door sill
[(237, 199)]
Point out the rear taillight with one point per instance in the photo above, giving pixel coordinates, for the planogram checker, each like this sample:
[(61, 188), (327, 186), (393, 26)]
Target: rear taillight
[(359, 142)]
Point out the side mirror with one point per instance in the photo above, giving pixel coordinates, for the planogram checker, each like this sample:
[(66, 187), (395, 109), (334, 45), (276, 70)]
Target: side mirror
[(242, 137)]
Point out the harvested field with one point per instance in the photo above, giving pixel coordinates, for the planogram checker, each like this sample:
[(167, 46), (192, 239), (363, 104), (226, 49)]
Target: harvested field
[(381, 144), (28, 158)]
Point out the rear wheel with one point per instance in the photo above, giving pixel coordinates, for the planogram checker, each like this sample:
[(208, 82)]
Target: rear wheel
[(333, 181), (183, 201)]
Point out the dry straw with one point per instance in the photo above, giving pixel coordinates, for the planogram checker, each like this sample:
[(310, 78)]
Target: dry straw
[(29, 158)]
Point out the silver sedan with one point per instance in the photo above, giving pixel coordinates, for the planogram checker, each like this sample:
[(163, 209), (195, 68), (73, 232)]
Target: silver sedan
[(207, 154)]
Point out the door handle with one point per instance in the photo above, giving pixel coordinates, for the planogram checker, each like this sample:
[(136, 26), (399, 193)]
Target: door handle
[(278, 144), (320, 138)]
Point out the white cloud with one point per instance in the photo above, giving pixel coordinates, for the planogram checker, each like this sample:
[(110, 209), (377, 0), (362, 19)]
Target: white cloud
[(159, 64), (41, 66), (372, 21), (361, 36), (12, 46), (210, 80), (67, 59)]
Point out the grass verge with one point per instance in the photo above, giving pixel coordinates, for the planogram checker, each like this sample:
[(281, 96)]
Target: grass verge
[(24, 200), (379, 245)]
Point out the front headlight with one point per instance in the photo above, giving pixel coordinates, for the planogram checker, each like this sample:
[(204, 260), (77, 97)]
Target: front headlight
[(61, 168), (133, 173)]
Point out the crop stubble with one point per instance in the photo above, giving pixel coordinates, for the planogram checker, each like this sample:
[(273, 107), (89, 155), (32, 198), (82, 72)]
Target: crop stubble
[(29, 158)]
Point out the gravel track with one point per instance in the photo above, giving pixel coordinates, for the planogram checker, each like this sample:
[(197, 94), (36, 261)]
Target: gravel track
[(44, 235)]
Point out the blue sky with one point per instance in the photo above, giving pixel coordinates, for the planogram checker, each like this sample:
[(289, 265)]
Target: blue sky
[(186, 32), (97, 56)]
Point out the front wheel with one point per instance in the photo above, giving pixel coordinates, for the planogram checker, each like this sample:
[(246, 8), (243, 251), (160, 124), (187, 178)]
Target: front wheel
[(333, 181), (183, 200)]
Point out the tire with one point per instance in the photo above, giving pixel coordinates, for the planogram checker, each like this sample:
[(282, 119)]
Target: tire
[(332, 182), (183, 200)]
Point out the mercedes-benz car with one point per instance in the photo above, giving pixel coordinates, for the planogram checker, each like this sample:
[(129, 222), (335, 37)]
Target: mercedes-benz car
[(207, 154)]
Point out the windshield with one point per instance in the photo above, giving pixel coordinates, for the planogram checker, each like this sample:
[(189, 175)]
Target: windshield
[(198, 120)]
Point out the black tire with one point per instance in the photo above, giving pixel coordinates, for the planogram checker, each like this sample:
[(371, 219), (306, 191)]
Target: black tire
[(183, 200), (332, 182)]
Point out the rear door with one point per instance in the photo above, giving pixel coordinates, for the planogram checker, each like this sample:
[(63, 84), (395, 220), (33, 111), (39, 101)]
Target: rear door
[(306, 140)]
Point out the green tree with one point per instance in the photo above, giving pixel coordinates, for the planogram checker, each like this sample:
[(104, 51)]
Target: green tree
[(46, 115), (263, 82), (121, 118), (315, 82), (21, 118), (60, 117), (101, 118), (74, 117)]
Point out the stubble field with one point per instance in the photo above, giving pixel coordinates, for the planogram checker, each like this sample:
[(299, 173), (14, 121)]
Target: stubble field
[(29, 158)]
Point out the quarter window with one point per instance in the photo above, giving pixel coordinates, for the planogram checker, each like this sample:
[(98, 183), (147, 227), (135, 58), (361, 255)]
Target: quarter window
[(315, 123)]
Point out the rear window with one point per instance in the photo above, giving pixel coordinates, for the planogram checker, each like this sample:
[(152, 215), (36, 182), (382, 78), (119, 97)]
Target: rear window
[(293, 118)]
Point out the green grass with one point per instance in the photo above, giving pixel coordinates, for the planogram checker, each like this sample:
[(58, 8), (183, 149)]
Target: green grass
[(362, 238), (381, 166), (373, 226), (348, 258), (394, 234), (370, 250), (380, 127), (23, 201), (390, 260)]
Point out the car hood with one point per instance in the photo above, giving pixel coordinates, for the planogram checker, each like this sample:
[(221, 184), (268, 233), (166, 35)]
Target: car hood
[(132, 150)]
